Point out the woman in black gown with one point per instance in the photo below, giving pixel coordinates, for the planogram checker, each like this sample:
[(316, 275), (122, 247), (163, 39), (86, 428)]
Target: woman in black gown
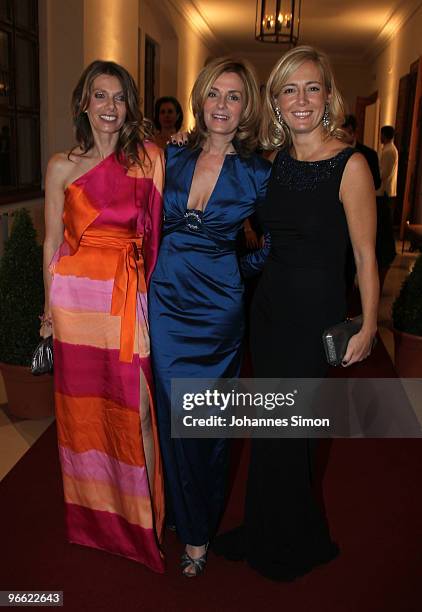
[(320, 192)]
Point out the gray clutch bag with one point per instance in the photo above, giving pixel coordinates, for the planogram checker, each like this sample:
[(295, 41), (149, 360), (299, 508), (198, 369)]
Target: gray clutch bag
[(336, 338)]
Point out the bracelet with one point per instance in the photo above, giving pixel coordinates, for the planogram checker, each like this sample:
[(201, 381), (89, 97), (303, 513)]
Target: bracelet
[(46, 320)]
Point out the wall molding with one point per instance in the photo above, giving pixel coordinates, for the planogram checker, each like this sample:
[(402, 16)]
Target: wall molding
[(193, 17), (396, 21)]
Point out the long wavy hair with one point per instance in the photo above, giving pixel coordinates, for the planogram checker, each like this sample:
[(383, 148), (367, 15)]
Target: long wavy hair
[(274, 134), (246, 138), (130, 147)]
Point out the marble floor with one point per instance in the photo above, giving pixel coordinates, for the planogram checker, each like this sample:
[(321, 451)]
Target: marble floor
[(17, 435)]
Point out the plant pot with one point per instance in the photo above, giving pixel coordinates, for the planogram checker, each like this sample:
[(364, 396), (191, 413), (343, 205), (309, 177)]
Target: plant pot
[(407, 354), (28, 397)]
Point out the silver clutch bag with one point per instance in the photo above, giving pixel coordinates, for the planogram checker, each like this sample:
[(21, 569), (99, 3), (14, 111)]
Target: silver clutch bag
[(336, 338), (42, 359)]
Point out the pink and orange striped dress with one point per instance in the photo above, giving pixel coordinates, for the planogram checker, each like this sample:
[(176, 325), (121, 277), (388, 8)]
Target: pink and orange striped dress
[(112, 218)]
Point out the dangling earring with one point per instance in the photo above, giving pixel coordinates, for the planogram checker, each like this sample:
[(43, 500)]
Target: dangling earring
[(280, 121), (326, 117), (278, 116)]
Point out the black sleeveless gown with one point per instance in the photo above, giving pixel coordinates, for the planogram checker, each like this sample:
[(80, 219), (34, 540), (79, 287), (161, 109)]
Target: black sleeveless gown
[(301, 292), (302, 288)]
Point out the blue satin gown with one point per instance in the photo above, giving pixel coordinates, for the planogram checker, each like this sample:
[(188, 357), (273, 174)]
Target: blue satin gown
[(196, 322)]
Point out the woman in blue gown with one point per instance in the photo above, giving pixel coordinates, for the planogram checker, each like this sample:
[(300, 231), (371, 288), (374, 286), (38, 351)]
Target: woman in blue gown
[(196, 292)]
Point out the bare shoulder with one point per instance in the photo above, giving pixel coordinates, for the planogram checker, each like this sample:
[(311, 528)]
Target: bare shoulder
[(334, 146), (357, 182), (60, 166), (58, 162), (356, 163)]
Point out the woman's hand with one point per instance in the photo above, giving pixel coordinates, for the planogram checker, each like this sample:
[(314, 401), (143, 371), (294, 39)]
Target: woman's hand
[(180, 138), (251, 239), (46, 328), (359, 348)]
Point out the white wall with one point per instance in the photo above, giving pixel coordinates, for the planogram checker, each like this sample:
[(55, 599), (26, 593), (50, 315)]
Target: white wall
[(394, 62), (182, 50), (72, 34), (353, 80), (154, 22), (111, 32), (61, 63)]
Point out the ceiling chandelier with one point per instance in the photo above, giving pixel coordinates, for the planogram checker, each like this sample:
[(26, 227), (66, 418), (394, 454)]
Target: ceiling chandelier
[(277, 21)]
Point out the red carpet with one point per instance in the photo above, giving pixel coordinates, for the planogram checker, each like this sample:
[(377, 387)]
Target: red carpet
[(373, 497)]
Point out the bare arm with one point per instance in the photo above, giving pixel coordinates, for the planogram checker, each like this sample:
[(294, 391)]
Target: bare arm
[(54, 202), (358, 197)]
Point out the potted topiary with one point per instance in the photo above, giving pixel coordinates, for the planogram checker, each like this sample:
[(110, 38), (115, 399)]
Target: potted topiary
[(21, 301), (407, 325)]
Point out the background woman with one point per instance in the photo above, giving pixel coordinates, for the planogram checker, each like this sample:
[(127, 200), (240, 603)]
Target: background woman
[(168, 119), (102, 214), (320, 192), (196, 297)]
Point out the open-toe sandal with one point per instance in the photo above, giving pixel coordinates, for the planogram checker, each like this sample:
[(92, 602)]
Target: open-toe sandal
[(193, 567)]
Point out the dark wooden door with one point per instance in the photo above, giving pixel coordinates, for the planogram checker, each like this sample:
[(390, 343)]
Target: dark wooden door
[(414, 151), (403, 126), (415, 208), (150, 69), (361, 104)]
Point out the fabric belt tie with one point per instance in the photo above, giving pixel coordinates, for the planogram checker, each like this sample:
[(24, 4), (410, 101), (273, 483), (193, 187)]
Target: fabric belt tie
[(180, 226), (123, 302)]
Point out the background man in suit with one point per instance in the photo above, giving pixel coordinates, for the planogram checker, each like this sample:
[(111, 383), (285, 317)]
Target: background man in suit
[(349, 126)]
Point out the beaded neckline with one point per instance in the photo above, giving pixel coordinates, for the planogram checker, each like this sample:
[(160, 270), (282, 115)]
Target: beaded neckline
[(317, 161), (298, 175)]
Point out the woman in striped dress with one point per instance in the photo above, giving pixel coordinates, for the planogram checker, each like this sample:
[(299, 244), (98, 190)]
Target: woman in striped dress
[(103, 212)]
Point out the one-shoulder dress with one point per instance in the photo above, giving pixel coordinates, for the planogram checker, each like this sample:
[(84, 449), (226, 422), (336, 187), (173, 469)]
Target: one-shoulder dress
[(196, 319), (112, 219)]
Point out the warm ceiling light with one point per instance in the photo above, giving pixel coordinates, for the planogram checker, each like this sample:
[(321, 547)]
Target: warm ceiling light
[(277, 21)]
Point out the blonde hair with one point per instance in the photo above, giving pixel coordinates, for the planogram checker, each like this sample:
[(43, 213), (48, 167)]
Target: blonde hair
[(274, 134), (246, 137)]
